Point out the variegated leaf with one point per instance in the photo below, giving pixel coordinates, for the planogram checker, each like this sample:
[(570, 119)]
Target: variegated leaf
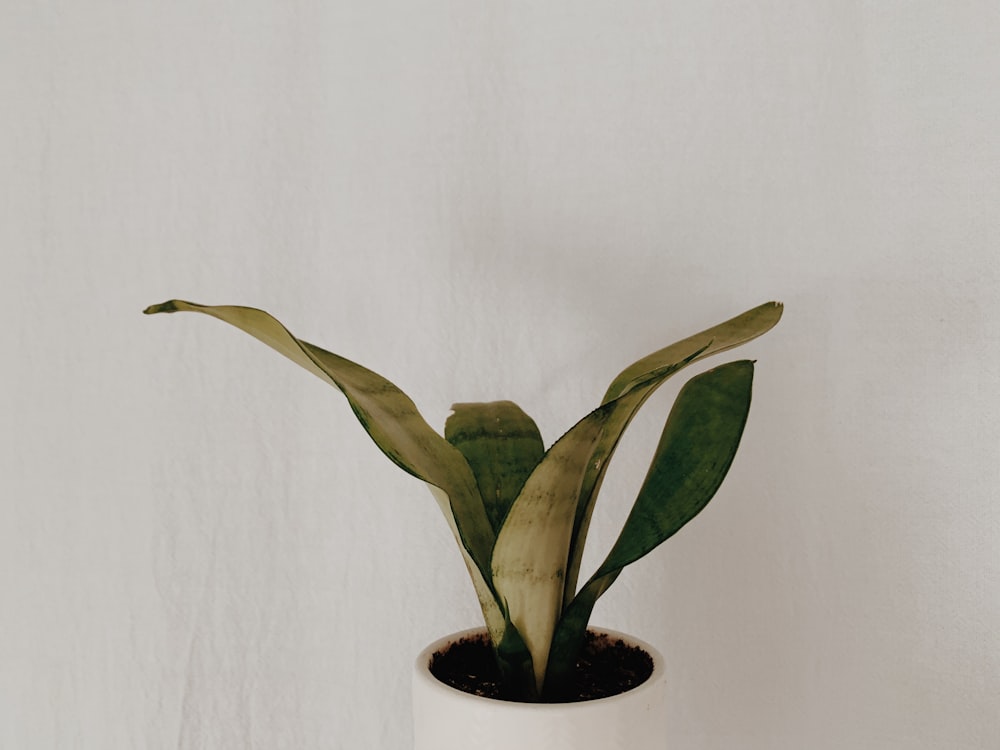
[(393, 422), (529, 559)]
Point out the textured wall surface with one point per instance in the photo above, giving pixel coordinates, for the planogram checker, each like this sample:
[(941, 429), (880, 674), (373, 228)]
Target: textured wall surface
[(199, 547)]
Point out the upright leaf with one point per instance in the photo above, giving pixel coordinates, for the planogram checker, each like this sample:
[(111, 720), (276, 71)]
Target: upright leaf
[(529, 558), (694, 454), (502, 445)]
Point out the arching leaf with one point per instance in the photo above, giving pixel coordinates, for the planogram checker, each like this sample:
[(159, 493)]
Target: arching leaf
[(393, 422), (641, 379), (694, 454)]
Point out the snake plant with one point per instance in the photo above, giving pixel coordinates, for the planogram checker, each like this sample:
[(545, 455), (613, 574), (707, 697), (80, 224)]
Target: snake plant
[(519, 512)]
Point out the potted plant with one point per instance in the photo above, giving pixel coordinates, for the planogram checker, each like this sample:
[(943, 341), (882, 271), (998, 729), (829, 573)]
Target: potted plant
[(520, 513)]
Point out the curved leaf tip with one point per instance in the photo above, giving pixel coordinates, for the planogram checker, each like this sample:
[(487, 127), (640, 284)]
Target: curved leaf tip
[(163, 307)]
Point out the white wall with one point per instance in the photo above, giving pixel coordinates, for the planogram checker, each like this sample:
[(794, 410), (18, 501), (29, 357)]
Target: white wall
[(200, 548)]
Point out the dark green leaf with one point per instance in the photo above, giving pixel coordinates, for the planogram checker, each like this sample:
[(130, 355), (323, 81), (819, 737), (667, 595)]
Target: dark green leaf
[(514, 660), (501, 444), (639, 380), (694, 454)]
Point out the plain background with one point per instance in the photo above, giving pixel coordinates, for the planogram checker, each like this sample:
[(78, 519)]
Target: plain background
[(200, 548)]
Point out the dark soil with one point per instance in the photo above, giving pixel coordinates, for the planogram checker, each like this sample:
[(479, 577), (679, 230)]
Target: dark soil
[(606, 666)]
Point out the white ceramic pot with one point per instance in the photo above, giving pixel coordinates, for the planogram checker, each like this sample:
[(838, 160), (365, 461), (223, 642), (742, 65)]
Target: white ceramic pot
[(445, 718)]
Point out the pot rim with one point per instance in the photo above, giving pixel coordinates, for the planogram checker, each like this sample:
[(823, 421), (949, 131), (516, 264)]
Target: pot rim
[(422, 673)]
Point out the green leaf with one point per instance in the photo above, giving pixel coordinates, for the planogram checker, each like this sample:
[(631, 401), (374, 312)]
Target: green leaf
[(502, 445), (393, 422), (529, 558), (514, 660), (694, 454), (735, 331), (641, 379)]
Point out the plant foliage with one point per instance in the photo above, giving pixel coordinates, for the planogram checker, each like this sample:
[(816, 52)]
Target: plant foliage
[(519, 512)]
